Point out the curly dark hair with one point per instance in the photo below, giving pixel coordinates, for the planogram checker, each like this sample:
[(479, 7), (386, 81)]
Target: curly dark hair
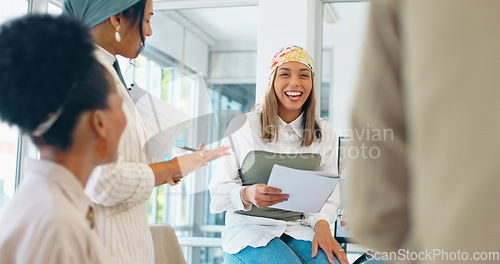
[(47, 64)]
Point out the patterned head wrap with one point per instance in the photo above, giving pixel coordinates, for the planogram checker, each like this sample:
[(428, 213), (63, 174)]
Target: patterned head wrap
[(291, 53), (93, 12)]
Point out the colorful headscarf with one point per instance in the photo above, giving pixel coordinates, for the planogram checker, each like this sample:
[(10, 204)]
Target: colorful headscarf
[(291, 53), (93, 12)]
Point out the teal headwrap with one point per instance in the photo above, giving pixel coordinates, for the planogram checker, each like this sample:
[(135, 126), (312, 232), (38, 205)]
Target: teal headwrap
[(93, 12)]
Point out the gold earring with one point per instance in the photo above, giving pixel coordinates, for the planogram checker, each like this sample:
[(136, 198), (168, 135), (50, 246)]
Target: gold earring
[(117, 34), (101, 148)]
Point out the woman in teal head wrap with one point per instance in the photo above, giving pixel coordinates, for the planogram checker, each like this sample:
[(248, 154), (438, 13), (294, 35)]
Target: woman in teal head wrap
[(120, 190), (118, 26)]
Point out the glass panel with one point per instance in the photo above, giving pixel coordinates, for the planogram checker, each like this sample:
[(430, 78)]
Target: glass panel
[(343, 36), (9, 138), (202, 61), (8, 158), (343, 33)]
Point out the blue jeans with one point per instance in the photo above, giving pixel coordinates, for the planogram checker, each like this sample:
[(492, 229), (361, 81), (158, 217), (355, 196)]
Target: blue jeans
[(284, 249)]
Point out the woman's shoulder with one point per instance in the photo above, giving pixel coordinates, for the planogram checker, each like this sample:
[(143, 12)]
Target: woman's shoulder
[(244, 132), (327, 130), (253, 116), (50, 209), (241, 119), (324, 124)]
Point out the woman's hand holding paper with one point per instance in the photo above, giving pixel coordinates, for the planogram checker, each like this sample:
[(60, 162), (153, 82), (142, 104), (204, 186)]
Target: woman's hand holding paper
[(262, 195)]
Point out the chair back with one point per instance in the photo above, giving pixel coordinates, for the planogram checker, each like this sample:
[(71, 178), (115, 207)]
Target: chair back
[(166, 246)]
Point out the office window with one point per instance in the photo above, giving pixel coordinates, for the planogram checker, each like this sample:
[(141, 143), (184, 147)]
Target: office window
[(9, 138), (343, 36), (8, 160)]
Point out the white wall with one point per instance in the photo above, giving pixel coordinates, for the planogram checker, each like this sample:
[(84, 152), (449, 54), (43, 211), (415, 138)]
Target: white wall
[(196, 53), (341, 66), (346, 59), (237, 65), (166, 35)]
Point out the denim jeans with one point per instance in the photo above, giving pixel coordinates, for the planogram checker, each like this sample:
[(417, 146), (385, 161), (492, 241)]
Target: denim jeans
[(284, 249)]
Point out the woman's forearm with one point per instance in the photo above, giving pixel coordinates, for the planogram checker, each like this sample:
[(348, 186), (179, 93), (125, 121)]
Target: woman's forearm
[(176, 168), (322, 225), (173, 170), (165, 170)]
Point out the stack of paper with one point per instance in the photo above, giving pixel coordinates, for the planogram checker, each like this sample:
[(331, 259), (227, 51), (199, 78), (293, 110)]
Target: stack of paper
[(308, 190)]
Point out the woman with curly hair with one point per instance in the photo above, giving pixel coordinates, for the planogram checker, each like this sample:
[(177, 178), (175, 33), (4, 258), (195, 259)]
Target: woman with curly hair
[(74, 116)]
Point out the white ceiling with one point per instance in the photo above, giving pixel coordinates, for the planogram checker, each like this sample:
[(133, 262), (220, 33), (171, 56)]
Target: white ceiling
[(235, 28), (350, 26)]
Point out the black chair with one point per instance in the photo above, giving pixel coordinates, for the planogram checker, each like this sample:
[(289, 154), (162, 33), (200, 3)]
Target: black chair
[(341, 235)]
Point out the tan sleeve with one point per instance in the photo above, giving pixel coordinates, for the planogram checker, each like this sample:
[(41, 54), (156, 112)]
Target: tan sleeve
[(121, 182), (377, 179)]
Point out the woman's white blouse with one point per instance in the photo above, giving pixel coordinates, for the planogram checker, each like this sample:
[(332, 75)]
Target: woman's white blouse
[(225, 186), (121, 189), (46, 221)]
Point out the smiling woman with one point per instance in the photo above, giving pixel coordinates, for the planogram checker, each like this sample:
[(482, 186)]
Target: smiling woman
[(285, 125), (291, 67), (292, 85)]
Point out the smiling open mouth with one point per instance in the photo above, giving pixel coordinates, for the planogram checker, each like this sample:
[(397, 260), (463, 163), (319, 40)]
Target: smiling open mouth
[(294, 96)]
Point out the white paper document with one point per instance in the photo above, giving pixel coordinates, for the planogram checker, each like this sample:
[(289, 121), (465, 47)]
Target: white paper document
[(308, 190), (162, 121)]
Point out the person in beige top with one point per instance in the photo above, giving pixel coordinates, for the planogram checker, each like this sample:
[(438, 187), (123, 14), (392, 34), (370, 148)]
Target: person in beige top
[(73, 114), (120, 190), (431, 76)]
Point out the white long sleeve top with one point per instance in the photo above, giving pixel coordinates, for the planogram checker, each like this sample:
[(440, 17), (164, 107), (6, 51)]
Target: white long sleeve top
[(46, 221), (121, 189), (225, 186)]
